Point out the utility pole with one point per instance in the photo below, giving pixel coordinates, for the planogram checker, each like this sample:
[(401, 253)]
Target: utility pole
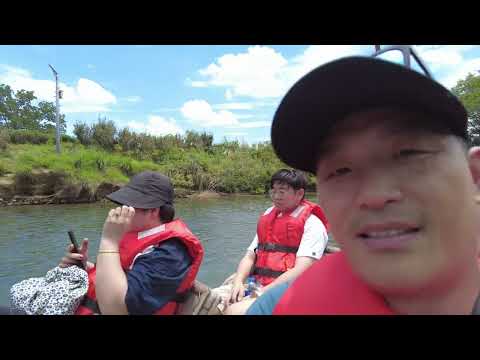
[(57, 106)]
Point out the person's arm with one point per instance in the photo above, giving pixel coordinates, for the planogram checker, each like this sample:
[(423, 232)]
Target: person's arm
[(111, 281), (244, 269), (301, 264), (312, 246), (155, 277)]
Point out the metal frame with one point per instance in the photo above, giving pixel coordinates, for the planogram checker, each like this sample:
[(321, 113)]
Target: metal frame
[(407, 52)]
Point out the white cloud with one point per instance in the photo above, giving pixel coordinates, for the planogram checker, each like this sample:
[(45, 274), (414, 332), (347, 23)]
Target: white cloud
[(316, 55), (439, 56), (256, 72), (243, 105), (231, 106), (262, 72), (156, 125), (245, 116), (197, 84), (200, 113), (236, 134), (448, 62), (86, 96), (252, 125), (234, 106), (133, 99), (451, 79)]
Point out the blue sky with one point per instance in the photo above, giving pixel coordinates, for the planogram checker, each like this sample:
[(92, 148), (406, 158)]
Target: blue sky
[(231, 91)]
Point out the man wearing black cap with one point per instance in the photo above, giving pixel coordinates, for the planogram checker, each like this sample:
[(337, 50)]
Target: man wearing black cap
[(146, 261), (397, 182)]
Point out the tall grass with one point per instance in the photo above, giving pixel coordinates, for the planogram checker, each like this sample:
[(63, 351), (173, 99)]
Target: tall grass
[(227, 167)]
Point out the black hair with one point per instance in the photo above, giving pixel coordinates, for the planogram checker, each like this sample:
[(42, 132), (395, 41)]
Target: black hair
[(295, 178), (167, 213)]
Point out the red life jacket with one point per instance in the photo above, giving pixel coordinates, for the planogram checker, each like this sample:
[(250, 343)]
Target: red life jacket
[(133, 244), (279, 239), (329, 287)]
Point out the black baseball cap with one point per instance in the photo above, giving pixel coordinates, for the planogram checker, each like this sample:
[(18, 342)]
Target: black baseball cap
[(334, 90), (146, 190)]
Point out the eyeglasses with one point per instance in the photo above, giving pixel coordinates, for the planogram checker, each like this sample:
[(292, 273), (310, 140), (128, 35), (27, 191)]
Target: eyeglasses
[(278, 193), (409, 57)]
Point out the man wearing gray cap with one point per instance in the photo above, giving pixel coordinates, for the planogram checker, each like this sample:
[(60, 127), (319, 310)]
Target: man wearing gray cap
[(147, 261), (397, 182)]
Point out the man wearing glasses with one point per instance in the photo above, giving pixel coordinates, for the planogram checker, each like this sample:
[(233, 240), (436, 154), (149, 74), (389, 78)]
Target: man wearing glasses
[(291, 236), (388, 145)]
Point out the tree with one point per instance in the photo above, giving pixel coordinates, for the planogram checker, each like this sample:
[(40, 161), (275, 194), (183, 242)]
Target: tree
[(18, 111), (7, 105), (46, 116), (198, 140), (468, 91), (104, 134), (83, 132)]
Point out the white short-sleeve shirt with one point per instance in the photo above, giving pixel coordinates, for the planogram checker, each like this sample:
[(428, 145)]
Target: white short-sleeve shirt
[(314, 239)]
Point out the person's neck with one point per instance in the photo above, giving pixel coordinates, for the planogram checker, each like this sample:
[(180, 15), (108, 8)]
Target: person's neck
[(459, 298), (152, 225)]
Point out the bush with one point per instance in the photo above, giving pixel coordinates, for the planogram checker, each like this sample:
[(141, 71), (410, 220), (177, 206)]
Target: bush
[(159, 156), (52, 182), (3, 170), (28, 137), (146, 146), (142, 146), (127, 140), (200, 141), (169, 141), (103, 134), (83, 132), (127, 169), (68, 138), (100, 164), (24, 183), (4, 139)]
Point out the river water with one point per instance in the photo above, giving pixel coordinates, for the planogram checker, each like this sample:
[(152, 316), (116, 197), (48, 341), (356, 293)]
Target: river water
[(33, 239)]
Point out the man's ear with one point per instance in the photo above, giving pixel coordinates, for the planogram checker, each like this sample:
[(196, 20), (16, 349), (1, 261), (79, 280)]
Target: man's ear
[(474, 164), (155, 213), (301, 193)]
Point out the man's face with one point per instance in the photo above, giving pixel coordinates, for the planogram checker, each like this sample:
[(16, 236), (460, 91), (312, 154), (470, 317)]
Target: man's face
[(285, 197), (401, 204), (143, 219)]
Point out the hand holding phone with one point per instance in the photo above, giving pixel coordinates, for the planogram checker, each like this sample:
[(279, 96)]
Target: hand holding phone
[(75, 254), (73, 240)]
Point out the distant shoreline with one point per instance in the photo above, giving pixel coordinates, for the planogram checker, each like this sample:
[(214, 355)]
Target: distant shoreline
[(61, 199)]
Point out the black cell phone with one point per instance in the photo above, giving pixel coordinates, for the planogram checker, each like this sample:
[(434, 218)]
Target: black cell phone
[(76, 248)]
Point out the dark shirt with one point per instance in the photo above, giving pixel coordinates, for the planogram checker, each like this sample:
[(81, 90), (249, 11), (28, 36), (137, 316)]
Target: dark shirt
[(156, 276)]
